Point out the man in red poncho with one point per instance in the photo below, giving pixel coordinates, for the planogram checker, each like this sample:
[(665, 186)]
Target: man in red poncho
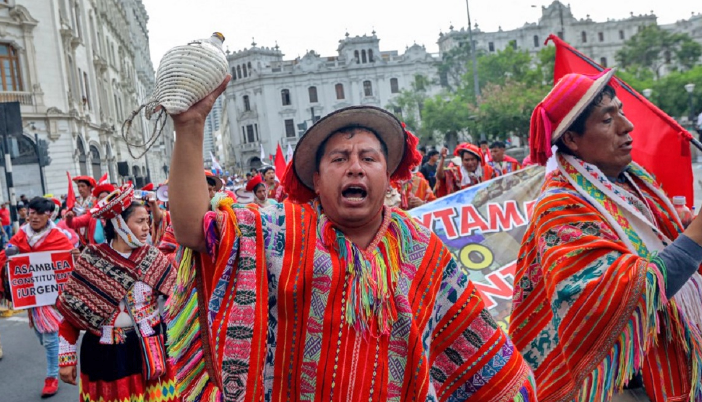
[(41, 234)]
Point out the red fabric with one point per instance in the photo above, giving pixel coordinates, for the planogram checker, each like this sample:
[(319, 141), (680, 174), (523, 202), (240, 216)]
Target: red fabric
[(148, 187), (255, 181), (5, 216), (89, 179), (661, 145), (85, 225), (71, 198), (279, 163)]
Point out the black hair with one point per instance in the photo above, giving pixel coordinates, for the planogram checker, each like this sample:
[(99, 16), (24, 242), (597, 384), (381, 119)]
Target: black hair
[(266, 169), (498, 144), (423, 149), (350, 131), (481, 142), (21, 205), (42, 205), (249, 174), (432, 153), (87, 183), (578, 126), (110, 229), (211, 181), (255, 189)]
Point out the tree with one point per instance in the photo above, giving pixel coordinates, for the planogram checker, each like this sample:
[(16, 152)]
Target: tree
[(653, 47), (506, 109), (446, 115), (408, 105)]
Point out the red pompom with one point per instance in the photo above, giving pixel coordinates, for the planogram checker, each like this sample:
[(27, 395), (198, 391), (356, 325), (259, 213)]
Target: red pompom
[(410, 159), (296, 190)]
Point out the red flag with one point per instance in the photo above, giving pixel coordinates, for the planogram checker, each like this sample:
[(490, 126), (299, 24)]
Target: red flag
[(71, 197), (660, 145), (279, 163), (103, 179)]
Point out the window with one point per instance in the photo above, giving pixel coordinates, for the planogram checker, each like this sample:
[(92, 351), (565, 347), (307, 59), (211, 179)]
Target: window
[(233, 73), (419, 81), (491, 46), (256, 130), (82, 86), (583, 37), (289, 128), (600, 36), (370, 55), (250, 69), (243, 69), (355, 55), (536, 40), (397, 111), (9, 69), (560, 34), (238, 71), (250, 136), (367, 88), (621, 35), (394, 88), (247, 103), (87, 90), (339, 91), (243, 134), (603, 61), (285, 95), (363, 56), (313, 94)]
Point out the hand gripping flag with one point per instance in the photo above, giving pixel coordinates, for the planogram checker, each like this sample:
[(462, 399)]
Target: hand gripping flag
[(660, 145), (71, 197)]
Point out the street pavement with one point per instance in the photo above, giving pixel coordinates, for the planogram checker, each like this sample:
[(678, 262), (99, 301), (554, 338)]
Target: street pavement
[(23, 367)]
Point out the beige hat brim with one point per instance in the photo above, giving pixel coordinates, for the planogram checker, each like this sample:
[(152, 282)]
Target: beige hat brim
[(378, 120)]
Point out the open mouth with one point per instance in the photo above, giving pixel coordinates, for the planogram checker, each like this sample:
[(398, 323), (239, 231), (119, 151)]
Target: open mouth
[(354, 192)]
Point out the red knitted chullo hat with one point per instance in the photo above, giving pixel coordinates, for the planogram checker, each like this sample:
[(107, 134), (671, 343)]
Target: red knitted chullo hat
[(560, 108), (466, 147)]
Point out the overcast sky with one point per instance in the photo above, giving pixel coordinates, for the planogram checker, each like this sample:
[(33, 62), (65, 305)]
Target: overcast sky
[(301, 25)]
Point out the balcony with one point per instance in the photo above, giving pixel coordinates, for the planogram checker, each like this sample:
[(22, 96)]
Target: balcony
[(250, 146), (24, 98)]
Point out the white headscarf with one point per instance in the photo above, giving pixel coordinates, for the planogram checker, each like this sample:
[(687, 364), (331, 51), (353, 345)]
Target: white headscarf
[(125, 233)]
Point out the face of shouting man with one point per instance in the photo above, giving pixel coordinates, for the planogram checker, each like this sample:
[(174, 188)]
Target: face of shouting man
[(470, 161), (352, 178)]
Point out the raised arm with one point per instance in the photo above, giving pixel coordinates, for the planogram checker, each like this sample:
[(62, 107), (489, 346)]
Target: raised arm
[(188, 196), (440, 169)]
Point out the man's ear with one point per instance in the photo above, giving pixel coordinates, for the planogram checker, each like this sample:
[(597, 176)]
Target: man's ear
[(569, 139), (315, 181)]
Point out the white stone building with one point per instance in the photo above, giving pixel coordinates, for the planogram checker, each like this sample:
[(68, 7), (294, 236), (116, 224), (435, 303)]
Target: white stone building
[(78, 69), (271, 100), (598, 40)]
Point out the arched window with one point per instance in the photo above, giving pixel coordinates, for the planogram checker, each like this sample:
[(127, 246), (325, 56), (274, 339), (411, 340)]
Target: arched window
[(87, 90), (583, 37), (367, 88), (10, 74), (363, 56), (603, 62), (285, 97), (370, 55), (95, 161), (82, 158), (238, 71), (394, 87), (536, 40), (244, 70), (313, 94), (339, 91), (250, 69), (233, 73), (247, 103), (355, 54)]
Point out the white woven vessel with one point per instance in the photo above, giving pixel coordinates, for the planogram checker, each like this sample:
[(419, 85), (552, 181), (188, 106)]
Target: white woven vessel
[(187, 74)]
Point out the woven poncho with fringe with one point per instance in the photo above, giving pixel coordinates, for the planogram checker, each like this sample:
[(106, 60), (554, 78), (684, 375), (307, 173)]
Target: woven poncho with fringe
[(283, 307), (589, 306)]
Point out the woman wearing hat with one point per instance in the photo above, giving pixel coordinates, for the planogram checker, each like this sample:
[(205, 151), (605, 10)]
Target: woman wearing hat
[(471, 171), (87, 224), (258, 188), (112, 295), (329, 295)]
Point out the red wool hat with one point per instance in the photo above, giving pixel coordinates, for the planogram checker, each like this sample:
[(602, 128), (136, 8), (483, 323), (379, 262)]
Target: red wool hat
[(466, 147), (560, 108), (148, 187), (255, 181), (401, 144), (114, 204), (103, 188), (88, 179)]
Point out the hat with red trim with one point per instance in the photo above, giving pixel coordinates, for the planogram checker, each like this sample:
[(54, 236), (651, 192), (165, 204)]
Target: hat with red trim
[(218, 183), (91, 182), (466, 147), (114, 204), (560, 108)]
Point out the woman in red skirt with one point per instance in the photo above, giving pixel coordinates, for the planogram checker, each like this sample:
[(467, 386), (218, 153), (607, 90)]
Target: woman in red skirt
[(112, 294)]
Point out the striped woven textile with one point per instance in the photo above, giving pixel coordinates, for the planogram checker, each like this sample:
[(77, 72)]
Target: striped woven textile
[(284, 307), (589, 307)]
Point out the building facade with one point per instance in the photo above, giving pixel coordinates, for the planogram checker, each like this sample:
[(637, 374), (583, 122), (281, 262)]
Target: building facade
[(78, 69), (272, 101), (599, 40)]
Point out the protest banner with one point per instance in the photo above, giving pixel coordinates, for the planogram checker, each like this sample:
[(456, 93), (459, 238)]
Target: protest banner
[(482, 226), (36, 278)]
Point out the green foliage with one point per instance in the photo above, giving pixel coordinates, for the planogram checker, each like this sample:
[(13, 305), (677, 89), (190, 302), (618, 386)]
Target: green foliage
[(653, 47), (668, 93), (410, 103), (445, 114)]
